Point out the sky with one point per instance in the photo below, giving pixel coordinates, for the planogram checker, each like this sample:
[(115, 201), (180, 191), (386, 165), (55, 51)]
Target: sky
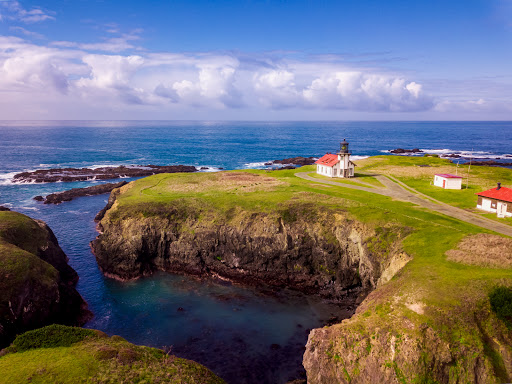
[(256, 60)]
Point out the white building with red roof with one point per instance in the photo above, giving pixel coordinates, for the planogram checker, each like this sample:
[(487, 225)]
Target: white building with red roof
[(336, 165), (496, 200), (447, 181)]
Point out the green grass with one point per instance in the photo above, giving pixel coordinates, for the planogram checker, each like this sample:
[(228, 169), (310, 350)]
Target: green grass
[(450, 292), (20, 238), (409, 171), (74, 355)]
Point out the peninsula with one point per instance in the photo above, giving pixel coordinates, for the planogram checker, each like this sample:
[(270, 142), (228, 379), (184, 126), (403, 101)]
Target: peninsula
[(425, 310)]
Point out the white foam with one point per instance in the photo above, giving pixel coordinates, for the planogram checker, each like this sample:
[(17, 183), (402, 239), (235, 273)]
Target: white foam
[(6, 178), (356, 157), (208, 169), (438, 151), (30, 208), (260, 164)]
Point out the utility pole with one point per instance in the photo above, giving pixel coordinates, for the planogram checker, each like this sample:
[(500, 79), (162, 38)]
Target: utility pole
[(469, 167)]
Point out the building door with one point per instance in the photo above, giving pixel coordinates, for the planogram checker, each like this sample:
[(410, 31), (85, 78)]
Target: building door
[(444, 183), (502, 208), (335, 171)]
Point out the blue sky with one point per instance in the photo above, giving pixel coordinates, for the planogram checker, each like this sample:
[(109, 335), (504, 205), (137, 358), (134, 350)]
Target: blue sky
[(256, 60)]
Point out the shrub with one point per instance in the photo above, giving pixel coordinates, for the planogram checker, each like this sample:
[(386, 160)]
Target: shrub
[(51, 336), (501, 304)]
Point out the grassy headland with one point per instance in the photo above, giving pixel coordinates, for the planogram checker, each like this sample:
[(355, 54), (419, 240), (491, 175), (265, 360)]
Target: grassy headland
[(432, 300), (60, 354)]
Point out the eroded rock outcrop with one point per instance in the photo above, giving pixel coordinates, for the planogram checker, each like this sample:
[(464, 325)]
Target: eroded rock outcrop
[(303, 245), (393, 338), (37, 285)]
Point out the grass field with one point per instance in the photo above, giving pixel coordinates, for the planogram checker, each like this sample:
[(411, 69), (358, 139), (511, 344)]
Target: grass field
[(418, 173)]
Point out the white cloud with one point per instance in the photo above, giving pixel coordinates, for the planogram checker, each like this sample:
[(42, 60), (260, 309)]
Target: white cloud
[(277, 89), (110, 44), (366, 92), (67, 72), (26, 32), (13, 10)]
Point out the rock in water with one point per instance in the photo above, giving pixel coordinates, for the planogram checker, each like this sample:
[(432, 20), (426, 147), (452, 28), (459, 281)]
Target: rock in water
[(37, 285), (105, 173), (59, 197)]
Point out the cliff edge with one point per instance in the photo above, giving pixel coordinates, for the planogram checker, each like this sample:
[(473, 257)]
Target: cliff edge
[(37, 285)]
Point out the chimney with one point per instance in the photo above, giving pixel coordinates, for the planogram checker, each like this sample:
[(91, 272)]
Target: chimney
[(499, 186)]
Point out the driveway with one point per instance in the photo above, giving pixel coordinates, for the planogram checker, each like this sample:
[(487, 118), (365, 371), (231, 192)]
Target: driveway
[(396, 190)]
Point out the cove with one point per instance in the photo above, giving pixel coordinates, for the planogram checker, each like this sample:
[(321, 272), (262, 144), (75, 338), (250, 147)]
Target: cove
[(244, 334)]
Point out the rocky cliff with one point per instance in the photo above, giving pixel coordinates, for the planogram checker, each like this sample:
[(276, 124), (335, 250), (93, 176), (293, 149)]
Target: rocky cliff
[(392, 340), (37, 286), (303, 245)]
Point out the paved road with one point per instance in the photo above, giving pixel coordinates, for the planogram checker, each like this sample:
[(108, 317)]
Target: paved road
[(396, 190)]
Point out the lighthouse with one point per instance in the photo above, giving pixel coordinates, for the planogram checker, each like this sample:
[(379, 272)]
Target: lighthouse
[(344, 158), (336, 165)]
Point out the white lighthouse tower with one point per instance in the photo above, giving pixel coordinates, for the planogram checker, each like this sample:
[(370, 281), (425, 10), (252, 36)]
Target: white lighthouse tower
[(344, 157)]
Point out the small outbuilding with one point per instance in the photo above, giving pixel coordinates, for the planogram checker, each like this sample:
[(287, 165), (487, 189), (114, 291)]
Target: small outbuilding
[(496, 200), (336, 165), (447, 181)]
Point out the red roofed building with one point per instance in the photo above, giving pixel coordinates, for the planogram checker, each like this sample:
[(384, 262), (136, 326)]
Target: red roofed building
[(497, 200), (447, 181), (336, 165)]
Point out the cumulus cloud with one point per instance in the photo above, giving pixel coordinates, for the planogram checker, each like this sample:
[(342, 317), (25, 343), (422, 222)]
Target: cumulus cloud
[(277, 89), (366, 92), (12, 10), (198, 80)]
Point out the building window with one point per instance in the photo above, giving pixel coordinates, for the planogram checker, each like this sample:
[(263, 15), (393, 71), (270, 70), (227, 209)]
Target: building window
[(493, 203), (479, 200)]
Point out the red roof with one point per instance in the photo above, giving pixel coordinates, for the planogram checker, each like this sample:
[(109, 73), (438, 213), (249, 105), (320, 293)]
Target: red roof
[(329, 160), (448, 176), (503, 194)]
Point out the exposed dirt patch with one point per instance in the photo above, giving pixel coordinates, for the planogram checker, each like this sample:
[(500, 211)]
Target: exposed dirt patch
[(483, 250), (228, 181)]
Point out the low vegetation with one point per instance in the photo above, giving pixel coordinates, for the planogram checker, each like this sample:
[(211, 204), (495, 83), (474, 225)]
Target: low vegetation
[(60, 354), (432, 292), (483, 250), (418, 173), (501, 303)]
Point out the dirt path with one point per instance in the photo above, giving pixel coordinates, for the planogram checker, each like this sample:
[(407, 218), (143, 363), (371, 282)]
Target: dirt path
[(395, 190)]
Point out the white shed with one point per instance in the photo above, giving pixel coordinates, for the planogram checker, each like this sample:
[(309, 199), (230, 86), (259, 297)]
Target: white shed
[(447, 181), (496, 200)]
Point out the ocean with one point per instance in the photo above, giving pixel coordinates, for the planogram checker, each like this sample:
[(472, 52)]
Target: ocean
[(246, 335)]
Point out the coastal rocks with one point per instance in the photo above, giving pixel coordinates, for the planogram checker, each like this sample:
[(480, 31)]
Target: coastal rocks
[(103, 173), (328, 255), (2, 208), (37, 285), (59, 197), (490, 163), (401, 151)]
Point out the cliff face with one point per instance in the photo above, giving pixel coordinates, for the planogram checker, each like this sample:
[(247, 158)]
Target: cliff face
[(37, 286), (389, 342), (304, 246)]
